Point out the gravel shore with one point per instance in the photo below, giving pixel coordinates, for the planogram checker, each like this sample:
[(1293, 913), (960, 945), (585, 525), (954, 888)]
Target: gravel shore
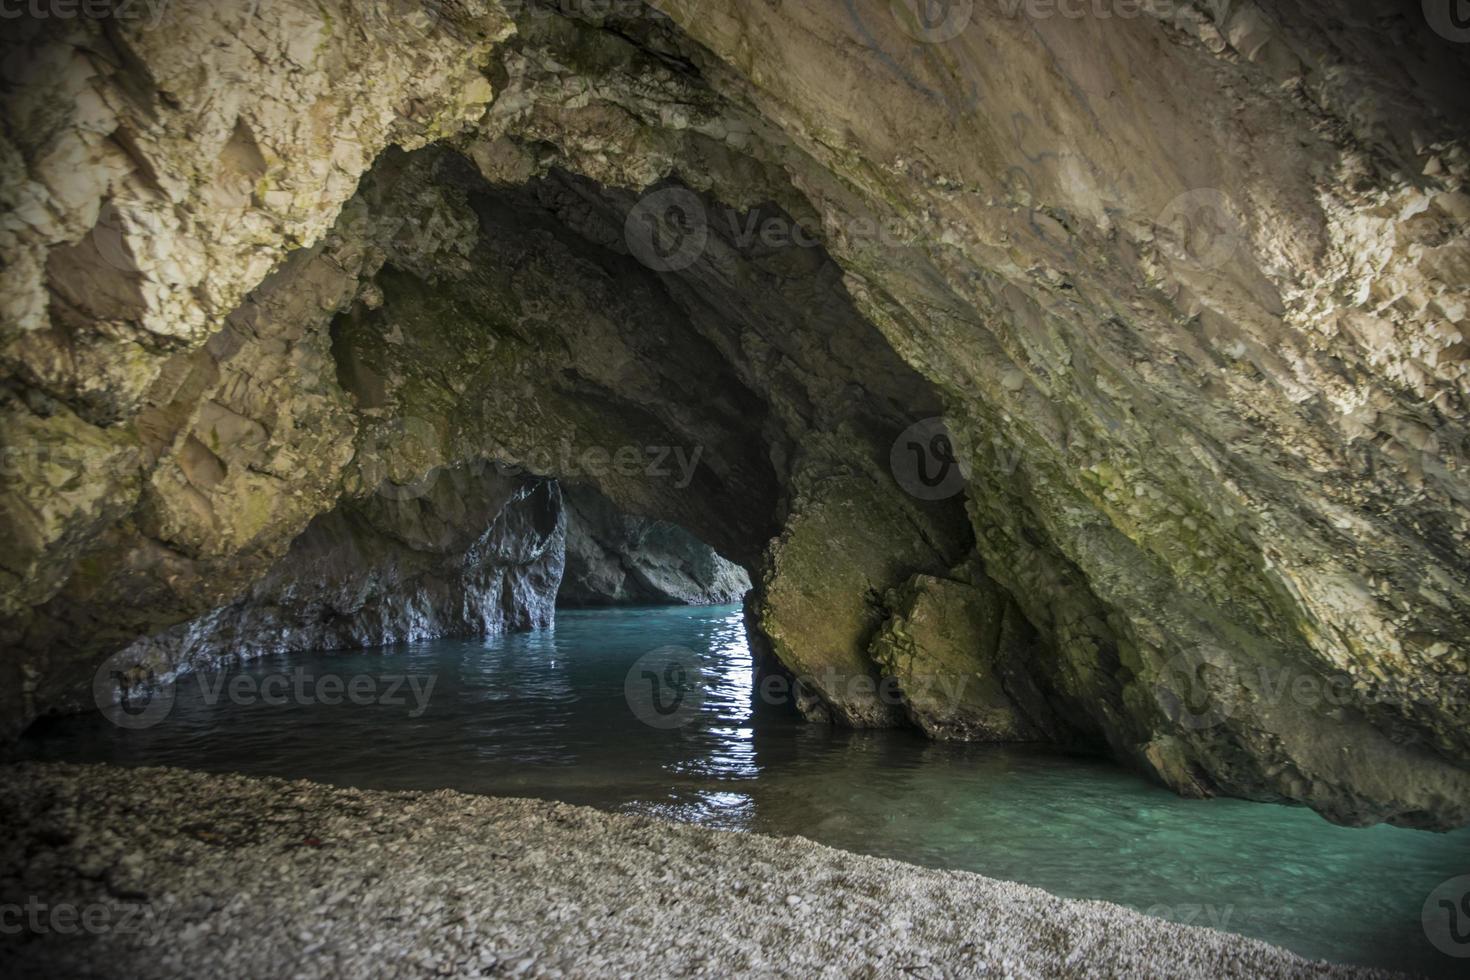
[(161, 872)]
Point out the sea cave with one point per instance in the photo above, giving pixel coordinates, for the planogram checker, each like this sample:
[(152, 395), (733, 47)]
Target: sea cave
[(735, 488)]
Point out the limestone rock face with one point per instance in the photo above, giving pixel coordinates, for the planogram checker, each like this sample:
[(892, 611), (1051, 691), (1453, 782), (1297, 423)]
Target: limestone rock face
[(1159, 319), (618, 559), (962, 656), (815, 602), (473, 552), (154, 175)]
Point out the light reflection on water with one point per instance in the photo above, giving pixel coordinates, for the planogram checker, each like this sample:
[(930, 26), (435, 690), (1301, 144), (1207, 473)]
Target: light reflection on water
[(545, 715)]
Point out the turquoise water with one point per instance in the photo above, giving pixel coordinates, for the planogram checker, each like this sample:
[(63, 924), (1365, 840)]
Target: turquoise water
[(549, 715)]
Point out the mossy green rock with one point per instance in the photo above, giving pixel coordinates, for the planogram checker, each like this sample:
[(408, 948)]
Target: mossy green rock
[(252, 268), (961, 654)]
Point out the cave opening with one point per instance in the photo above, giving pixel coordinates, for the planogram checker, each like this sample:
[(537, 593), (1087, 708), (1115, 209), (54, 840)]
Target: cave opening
[(562, 442), (615, 558), (606, 407)]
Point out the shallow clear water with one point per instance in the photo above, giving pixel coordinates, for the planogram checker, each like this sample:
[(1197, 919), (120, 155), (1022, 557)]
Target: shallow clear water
[(547, 715)]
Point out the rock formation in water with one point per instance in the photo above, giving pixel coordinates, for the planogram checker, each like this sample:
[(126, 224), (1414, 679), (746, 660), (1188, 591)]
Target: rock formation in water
[(619, 559), (1147, 330), (964, 659), (468, 551)]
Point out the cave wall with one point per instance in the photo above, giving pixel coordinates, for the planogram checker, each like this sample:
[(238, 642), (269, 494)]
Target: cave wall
[(476, 549), (468, 551), (1221, 456), (613, 558)]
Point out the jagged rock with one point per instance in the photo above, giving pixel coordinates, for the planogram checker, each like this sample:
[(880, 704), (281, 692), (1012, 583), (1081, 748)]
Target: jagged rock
[(469, 552), (615, 558), (814, 603), (1188, 290)]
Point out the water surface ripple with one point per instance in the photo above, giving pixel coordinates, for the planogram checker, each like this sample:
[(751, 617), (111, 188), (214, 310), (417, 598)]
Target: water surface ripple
[(545, 715)]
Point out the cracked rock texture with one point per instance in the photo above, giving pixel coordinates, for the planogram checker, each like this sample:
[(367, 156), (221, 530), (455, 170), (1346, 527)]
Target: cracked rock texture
[(615, 559), (1186, 290), (962, 656), (188, 873), (469, 551)]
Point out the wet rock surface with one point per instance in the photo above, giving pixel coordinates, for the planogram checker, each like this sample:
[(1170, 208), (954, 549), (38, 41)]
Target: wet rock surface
[(1184, 293), (618, 559), (188, 874), (962, 654), (468, 551)]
